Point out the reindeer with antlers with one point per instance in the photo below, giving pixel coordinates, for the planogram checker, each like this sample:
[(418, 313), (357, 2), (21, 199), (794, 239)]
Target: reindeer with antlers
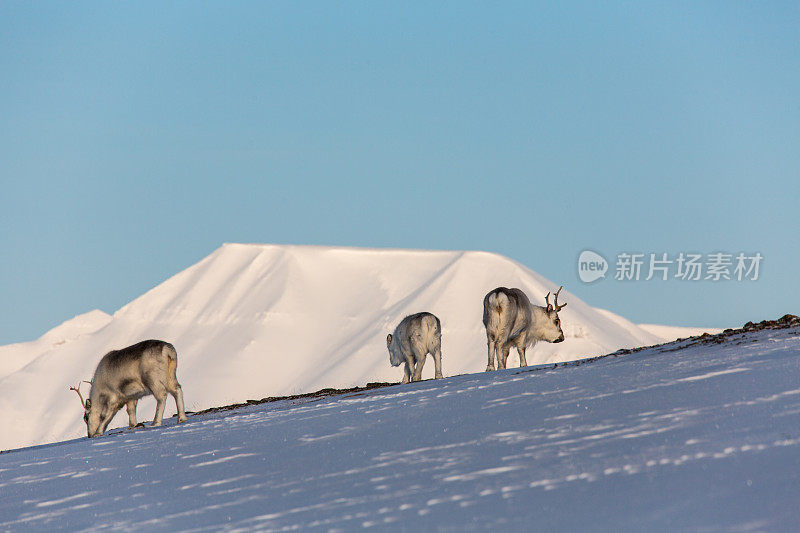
[(511, 320), (123, 376)]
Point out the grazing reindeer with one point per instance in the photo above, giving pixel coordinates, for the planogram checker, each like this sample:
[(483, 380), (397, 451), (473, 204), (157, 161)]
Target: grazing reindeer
[(510, 319), (124, 376), (414, 338)]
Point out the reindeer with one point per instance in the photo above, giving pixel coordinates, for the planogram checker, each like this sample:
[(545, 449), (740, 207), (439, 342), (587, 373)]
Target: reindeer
[(415, 337), (510, 319), (123, 376)]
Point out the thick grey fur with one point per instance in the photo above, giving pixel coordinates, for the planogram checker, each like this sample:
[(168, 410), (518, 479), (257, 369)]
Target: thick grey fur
[(415, 337), (511, 320), (123, 376)]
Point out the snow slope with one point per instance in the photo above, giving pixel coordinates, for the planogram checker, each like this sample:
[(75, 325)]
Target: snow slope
[(701, 437), (251, 321), (670, 333)]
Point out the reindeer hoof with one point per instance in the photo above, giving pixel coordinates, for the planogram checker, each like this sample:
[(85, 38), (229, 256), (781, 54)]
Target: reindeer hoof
[(439, 376), (489, 368), (182, 420)]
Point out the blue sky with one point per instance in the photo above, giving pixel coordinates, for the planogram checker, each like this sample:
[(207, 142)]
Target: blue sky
[(138, 137)]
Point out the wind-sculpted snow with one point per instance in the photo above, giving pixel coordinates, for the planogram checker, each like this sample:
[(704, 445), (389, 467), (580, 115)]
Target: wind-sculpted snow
[(251, 321), (699, 435)]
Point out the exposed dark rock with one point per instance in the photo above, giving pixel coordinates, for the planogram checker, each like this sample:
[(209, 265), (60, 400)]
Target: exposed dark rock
[(309, 395)]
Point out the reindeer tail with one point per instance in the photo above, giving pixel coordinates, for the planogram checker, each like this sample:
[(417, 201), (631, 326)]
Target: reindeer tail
[(496, 306), (169, 350)]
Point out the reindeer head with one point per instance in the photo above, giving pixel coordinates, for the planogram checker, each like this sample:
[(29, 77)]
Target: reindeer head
[(91, 417), (551, 330)]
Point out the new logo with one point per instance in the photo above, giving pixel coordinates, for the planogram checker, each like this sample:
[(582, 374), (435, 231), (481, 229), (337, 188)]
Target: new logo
[(591, 266)]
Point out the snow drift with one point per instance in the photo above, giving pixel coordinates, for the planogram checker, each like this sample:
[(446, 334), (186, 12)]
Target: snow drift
[(251, 321)]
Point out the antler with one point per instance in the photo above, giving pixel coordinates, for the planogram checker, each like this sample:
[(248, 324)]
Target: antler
[(557, 307), (78, 390), (547, 301)]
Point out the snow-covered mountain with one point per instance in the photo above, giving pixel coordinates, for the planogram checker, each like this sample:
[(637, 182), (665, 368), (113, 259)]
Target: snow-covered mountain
[(700, 435), (15, 356), (251, 321), (670, 333)]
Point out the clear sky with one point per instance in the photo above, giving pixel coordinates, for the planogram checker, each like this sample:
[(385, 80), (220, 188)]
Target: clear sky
[(137, 137)]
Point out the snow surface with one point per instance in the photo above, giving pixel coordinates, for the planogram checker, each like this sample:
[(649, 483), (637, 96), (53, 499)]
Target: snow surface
[(671, 333), (706, 437), (251, 321)]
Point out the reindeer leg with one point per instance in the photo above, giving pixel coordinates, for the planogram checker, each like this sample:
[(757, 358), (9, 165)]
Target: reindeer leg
[(407, 370), (159, 391), (161, 401), (174, 388), (418, 370), (522, 361), (419, 355), (492, 347), (502, 364), (131, 405), (437, 361), (177, 393), (521, 345)]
